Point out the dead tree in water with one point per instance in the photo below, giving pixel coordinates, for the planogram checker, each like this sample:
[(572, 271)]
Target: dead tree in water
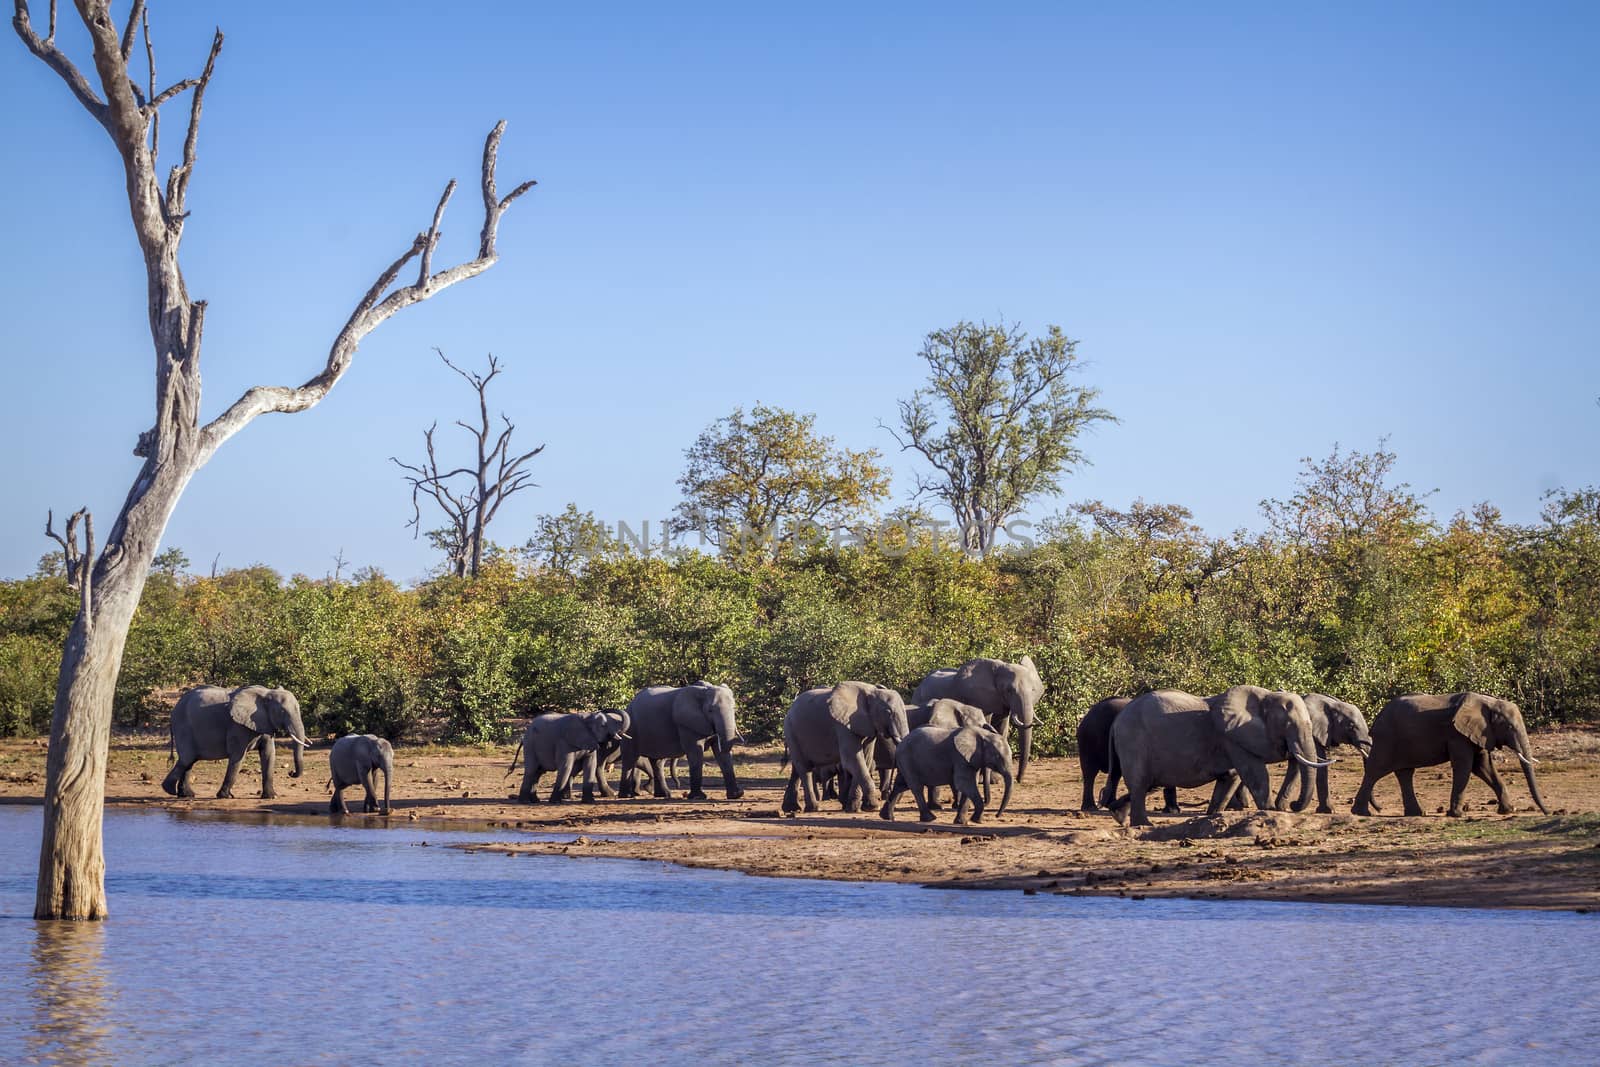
[(71, 857), (469, 496)]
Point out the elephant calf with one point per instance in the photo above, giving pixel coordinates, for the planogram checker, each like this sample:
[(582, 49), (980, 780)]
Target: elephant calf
[(355, 759), (932, 756), (556, 742)]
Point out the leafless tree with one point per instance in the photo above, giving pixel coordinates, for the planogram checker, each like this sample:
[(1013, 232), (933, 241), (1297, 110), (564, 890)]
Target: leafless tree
[(469, 496), (71, 858)]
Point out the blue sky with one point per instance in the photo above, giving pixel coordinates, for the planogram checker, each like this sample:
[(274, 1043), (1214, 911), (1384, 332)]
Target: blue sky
[(1271, 227)]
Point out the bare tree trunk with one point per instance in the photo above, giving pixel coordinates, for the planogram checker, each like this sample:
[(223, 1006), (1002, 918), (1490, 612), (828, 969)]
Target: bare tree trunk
[(71, 857)]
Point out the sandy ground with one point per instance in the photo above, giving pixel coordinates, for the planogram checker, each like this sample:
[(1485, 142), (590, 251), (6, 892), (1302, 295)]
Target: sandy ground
[(1042, 845)]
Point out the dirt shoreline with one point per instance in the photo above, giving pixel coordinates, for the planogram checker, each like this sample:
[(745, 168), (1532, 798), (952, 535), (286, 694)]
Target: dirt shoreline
[(1043, 845)]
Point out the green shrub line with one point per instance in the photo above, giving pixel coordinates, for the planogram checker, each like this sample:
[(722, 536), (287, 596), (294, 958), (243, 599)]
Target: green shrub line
[(1365, 611)]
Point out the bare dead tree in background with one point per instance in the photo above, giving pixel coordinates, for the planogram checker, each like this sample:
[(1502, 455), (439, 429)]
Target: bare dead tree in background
[(469, 496), (71, 856)]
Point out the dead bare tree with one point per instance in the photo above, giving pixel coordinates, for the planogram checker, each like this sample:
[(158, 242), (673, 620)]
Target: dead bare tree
[(71, 857), (469, 496)]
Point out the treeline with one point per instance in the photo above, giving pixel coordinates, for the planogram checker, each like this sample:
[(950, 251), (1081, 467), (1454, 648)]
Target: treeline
[(1352, 588)]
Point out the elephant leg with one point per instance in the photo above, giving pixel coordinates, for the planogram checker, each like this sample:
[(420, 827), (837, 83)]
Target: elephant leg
[(1137, 815), (696, 756), (226, 792), (964, 787), (177, 780), (1089, 773), (588, 778), (920, 791), (1461, 760), (1408, 791), (1280, 801), (628, 782), (563, 776), (658, 781), (791, 799), (862, 772), (1483, 767), (368, 783), (809, 783), (1169, 801), (531, 773), (890, 796), (600, 775), (730, 781), (1364, 804), (337, 805), (268, 753), (1223, 792)]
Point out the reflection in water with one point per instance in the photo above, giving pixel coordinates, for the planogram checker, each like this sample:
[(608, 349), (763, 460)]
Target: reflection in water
[(72, 994), (304, 941)]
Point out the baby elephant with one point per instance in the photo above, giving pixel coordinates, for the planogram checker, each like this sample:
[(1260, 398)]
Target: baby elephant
[(932, 756), (354, 760), (561, 743)]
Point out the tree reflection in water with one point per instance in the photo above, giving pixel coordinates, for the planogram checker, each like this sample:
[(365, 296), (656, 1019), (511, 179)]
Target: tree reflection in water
[(72, 993)]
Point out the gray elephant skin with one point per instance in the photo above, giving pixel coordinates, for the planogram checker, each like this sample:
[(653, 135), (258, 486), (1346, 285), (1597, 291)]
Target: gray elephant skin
[(931, 756), (209, 722), (1334, 722), (1424, 730), (606, 756), (1095, 756), (355, 759), (945, 713), (669, 722), (558, 743), (835, 726), (1177, 739), (1008, 692)]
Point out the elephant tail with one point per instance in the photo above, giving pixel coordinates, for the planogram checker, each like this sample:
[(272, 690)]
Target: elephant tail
[(514, 757)]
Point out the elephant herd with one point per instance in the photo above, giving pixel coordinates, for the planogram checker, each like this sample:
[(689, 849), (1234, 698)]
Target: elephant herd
[(863, 743)]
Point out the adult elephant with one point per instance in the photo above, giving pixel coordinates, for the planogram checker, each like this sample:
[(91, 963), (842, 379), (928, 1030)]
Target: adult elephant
[(931, 756), (1009, 693), (557, 743), (1424, 730), (834, 726), (1173, 738), (209, 722), (675, 722), (355, 759), (1095, 756)]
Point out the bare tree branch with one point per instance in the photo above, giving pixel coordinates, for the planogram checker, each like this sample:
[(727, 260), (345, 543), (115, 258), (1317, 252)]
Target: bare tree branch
[(77, 561), (130, 31), (178, 179), (53, 58), (370, 313)]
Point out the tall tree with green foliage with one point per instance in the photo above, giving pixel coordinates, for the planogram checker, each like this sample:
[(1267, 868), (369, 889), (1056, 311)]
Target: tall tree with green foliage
[(998, 421), (757, 481)]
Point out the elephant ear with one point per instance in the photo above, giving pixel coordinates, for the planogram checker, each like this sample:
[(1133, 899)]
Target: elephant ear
[(1240, 717), (966, 742), (1472, 721), (246, 709), (1321, 711), (689, 708), (848, 704)]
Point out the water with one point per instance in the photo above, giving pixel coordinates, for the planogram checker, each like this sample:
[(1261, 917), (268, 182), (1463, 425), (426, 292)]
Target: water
[(293, 941)]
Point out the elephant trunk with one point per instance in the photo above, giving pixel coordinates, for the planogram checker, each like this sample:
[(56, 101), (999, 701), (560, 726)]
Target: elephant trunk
[(1005, 795), (1525, 756), (299, 760), (1024, 750)]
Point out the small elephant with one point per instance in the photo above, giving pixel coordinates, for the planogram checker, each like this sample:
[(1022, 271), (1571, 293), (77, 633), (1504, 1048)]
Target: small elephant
[(605, 757), (1173, 738), (209, 722), (1096, 757), (355, 759), (556, 742), (932, 756), (677, 721), (1009, 693), (1424, 730), (836, 726)]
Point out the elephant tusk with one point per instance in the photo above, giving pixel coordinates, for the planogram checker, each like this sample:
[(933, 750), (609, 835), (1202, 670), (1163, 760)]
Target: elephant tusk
[(1527, 760), (1311, 762)]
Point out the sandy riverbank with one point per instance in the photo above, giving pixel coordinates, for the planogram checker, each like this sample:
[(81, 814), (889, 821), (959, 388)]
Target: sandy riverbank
[(1043, 844)]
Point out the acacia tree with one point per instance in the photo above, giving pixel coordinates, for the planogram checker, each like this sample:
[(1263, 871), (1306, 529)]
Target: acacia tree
[(71, 856), (1009, 424), (469, 496), (752, 481)]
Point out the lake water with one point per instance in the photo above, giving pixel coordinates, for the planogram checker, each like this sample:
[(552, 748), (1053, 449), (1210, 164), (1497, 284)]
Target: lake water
[(276, 941)]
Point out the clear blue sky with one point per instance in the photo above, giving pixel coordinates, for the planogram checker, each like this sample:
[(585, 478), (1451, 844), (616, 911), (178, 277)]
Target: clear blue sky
[(1271, 226)]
